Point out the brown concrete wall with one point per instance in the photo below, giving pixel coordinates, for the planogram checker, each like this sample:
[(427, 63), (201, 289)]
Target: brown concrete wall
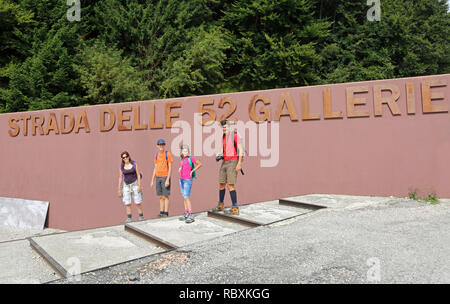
[(370, 155)]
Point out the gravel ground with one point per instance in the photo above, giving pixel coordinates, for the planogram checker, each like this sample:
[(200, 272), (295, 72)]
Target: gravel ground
[(397, 241)]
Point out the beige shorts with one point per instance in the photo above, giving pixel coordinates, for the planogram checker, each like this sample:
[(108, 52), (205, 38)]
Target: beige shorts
[(227, 172)]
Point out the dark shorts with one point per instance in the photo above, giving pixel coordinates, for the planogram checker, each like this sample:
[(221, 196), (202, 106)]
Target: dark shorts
[(161, 189)]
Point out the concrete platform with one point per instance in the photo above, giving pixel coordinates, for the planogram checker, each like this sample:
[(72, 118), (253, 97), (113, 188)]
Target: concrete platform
[(177, 233), (338, 201), (265, 213), (20, 264), (87, 250), (9, 233)]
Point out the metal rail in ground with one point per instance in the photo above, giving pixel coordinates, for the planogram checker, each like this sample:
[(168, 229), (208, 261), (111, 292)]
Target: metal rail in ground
[(53, 263), (168, 246), (288, 202), (151, 238), (234, 219)]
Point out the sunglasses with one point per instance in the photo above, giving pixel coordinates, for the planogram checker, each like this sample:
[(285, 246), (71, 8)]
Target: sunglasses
[(124, 157)]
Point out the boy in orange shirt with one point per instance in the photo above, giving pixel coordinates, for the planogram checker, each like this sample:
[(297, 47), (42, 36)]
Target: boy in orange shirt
[(162, 171)]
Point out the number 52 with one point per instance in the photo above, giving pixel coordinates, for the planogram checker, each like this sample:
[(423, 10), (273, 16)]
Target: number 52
[(212, 113)]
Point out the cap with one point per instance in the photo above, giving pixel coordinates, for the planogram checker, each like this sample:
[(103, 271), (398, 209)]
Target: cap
[(161, 142)]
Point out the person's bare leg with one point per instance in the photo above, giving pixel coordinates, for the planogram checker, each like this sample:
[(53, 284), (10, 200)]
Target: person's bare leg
[(161, 203), (166, 204), (187, 204), (139, 208)]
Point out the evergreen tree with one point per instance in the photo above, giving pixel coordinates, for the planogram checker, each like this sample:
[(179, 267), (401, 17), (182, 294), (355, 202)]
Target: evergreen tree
[(275, 43), (162, 37), (15, 21), (412, 38), (107, 77), (125, 50)]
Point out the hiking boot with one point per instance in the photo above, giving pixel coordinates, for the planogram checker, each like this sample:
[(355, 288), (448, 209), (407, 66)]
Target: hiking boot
[(220, 207), (141, 217), (184, 217), (128, 220), (189, 219), (232, 211)]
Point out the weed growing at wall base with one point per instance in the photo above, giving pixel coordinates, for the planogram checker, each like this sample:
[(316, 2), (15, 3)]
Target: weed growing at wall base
[(431, 198)]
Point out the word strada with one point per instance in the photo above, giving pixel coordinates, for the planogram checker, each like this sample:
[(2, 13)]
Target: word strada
[(260, 109), (67, 123)]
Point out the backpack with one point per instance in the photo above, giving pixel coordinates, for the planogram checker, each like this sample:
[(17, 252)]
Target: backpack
[(235, 147), (194, 174), (167, 161), (235, 144)]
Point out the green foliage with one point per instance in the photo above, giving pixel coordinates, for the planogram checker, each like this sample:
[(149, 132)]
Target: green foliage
[(125, 50), (107, 77), (413, 195), (199, 68), (14, 21), (275, 43), (167, 40), (46, 79), (411, 39), (431, 198)]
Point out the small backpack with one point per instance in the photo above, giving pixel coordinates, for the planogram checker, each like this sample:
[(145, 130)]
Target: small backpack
[(167, 160), (235, 147), (194, 174)]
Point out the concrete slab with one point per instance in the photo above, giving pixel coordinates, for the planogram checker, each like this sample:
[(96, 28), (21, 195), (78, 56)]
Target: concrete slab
[(179, 233), (9, 233), (93, 249), (23, 213), (339, 201), (269, 212), (20, 264)]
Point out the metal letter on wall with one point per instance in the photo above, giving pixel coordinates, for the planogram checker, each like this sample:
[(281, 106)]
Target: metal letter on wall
[(122, 118), (286, 99), (137, 119), (264, 110), (428, 96), (352, 101), (170, 114), (391, 101), (112, 120), (64, 128), (328, 113), (305, 108)]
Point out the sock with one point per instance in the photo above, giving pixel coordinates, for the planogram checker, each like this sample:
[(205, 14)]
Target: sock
[(129, 216), (233, 198), (189, 211), (141, 214), (166, 213), (221, 196)]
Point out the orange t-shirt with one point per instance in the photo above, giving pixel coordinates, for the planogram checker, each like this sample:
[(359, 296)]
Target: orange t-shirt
[(162, 168)]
